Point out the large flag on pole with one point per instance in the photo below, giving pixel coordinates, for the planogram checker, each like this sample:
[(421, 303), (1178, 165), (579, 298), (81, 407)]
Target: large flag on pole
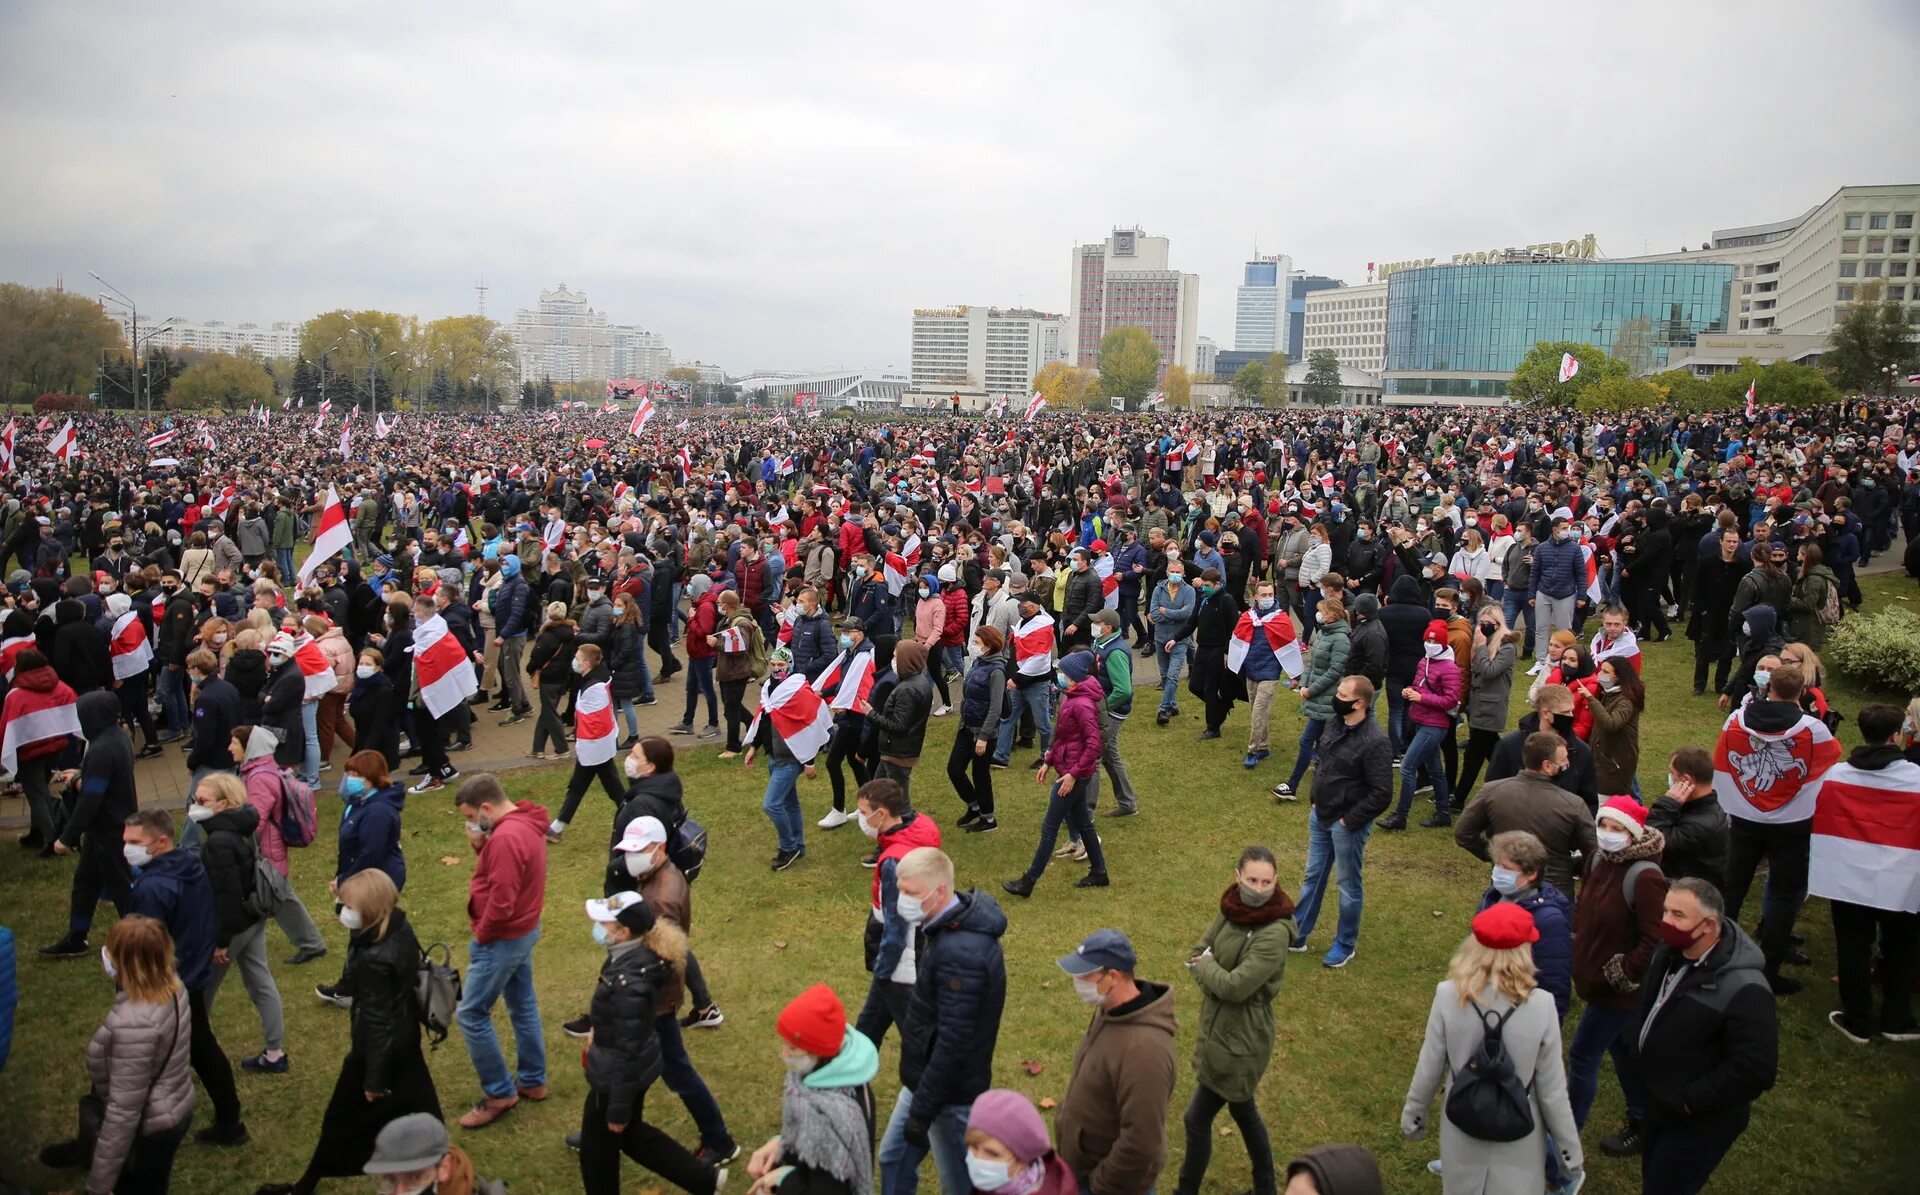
[(800, 718), (64, 442), (446, 676), (1866, 837), (1750, 406), (330, 538), (1768, 775), (6, 447), (641, 414), (1277, 628), (1035, 405), (1569, 365), (163, 439)]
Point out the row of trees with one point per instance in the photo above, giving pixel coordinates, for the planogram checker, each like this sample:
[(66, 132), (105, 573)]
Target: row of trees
[(1129, 368)]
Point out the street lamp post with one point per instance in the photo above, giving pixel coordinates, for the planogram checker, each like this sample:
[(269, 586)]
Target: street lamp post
[(133, 335)]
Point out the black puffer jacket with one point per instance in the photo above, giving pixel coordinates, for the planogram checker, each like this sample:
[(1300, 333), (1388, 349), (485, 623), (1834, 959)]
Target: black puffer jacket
[(902, 724), (229, 856), (658, 796), (1405, 616), (1714, 1045), (280, 709), (624, 1059), (247, 673), (380, 978), (626, 654), (1367, 650)]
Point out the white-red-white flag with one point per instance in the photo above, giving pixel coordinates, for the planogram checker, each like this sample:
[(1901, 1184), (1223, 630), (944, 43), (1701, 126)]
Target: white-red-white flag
[(36, 716), (849, 678), (895, 570), (1866, 837), (1772, 776), (316, 671), (163, 439), (1569, 365), (440, 664), (1033, 645), (1750, 395), (330, 537), (1276, 627), (10, 650), (346, 439), (1035, 405), (641, 414), (594, 737), (320, 419), (800, 718), (128, 646), (218, 504), (6, 447), (64, 442), (685, 461)]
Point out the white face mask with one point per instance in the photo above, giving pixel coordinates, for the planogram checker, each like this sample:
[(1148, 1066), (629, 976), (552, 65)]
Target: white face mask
[(868, 826), (350, 917), (1088, 990), (365, 671), (640, 863), (136, 855), (106, 964), (199, 813), (1436, 650), (988, 1175), (912, 909), (580, 666), (1613, 841)]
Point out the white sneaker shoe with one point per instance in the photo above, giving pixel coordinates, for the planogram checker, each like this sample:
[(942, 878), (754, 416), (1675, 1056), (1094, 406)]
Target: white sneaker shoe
[(1539, 666), (942, 711), (834, 820)]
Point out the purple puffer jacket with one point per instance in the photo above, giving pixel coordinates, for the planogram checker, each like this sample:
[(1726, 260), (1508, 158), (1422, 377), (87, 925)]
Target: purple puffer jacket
[(1076, 731), (1438, 681)]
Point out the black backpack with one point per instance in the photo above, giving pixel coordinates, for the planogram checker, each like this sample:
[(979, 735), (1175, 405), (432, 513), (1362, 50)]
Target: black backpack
[(688, 849), (1486, 1100)]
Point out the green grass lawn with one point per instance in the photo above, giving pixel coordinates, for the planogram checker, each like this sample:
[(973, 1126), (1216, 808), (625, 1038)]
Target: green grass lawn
[(1348, 1039)]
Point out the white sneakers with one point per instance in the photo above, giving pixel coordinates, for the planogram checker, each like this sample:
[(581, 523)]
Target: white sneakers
[(834, 820), (1539, 666), (942, 711)]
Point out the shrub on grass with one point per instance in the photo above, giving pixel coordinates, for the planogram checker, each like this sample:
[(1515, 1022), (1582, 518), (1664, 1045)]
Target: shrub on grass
[(1880, 650)]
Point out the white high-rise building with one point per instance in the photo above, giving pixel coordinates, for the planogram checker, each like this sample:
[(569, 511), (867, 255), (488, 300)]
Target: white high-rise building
[(1796, 277), (995, 349), (1205, 354), (1125, 281), (281, 339), (637, 354), (1260, 305), (563, 339), (1350, 320)]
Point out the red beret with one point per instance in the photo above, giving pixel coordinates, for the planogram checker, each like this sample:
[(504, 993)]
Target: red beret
[(1504, 925)]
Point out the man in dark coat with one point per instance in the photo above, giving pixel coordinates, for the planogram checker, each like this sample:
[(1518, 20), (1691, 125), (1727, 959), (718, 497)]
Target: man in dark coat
[(102, 801), (80, 654), (1214, 617)]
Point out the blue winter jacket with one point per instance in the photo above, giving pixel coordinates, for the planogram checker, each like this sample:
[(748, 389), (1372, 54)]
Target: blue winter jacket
[(174, 890), (814, 644), (1559, 569), (959, 991), (1553, 953), (1123, 562), (370, 835)]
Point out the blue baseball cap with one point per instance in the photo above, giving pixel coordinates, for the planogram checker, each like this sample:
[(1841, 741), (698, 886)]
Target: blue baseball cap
[(1104, 949)]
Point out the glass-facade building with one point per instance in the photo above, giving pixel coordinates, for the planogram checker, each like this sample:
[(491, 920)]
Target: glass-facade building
[(1460, 331)]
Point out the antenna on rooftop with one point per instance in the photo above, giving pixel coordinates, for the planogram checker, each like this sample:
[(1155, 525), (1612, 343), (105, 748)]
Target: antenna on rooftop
[(480, 291)]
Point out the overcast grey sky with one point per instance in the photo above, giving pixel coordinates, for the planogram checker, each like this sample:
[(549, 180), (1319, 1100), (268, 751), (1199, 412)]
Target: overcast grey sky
[(778, 185)]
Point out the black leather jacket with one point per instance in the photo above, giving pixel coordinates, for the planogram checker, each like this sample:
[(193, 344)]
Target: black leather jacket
[(624, 1059), (380, 978)]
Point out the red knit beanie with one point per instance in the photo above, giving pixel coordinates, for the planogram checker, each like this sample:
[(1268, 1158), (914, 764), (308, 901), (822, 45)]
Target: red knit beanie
[(815, 1021)]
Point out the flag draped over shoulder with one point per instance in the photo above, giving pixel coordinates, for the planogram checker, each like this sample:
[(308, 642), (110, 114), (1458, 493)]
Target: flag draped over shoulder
[(1771, 776), (848, 679), (1277, 627), (800, 718), (32, 716), (1866, 837), (441, 666)]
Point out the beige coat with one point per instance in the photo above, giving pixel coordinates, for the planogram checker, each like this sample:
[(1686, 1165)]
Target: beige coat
[(137, 1062)]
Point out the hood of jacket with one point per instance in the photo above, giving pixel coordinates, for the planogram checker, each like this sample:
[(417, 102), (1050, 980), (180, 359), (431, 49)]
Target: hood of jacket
[(261, 743), (98, 711), (1873, 759), (1340, 1170), (857, 1062), (1735, 951), (1156, 1013), (394, 794), (1771, 717), (40, 680), (242, 820), (1762, 619), (1650, 845), (661, 786), (978, 913), (1405, 591)]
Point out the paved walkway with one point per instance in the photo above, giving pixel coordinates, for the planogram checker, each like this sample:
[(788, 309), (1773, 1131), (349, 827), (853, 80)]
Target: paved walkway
[(162, 780)]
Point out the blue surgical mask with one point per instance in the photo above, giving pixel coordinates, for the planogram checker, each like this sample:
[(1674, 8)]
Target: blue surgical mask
[(911, 909), (1263, 604), (1060, 679), (1761, 676), (987, 1175), (601, 935), (352, 788), (846, 642), (1506, 881)]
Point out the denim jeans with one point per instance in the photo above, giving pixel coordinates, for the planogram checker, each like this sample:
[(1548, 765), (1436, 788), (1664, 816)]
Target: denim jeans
[(1309, 743), (495, 970), (782, 804), (175, 711), (900, 1161), (310, 726), (283, 557), (1397, 733), (700, 680), (1171, 664), (1037, 698), (1601, 1030), (629, 714), (1424, 751), (1331, 843), (683, 1080), (1513, 603), (1076, 810)]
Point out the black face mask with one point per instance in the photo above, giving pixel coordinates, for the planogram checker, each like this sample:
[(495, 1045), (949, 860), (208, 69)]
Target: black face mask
[(1344, 709), (1489, 628), (1564, 724)]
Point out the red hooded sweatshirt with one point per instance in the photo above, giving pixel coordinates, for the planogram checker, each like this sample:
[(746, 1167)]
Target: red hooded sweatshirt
[(510, 877)]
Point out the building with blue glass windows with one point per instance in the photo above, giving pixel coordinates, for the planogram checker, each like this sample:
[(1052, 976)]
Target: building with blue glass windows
[(1459, 331)]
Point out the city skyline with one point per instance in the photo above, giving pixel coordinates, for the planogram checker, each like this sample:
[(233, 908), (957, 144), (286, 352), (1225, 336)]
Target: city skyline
[(759, 218)]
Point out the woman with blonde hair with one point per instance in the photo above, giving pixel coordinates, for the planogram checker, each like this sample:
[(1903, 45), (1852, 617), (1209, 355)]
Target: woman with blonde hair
[(216, 636), (142, 1092), (231, 855), (1490, 989), (384, 1075)]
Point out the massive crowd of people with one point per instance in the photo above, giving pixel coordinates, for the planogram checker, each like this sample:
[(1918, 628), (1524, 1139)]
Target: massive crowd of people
[(838, 590)]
